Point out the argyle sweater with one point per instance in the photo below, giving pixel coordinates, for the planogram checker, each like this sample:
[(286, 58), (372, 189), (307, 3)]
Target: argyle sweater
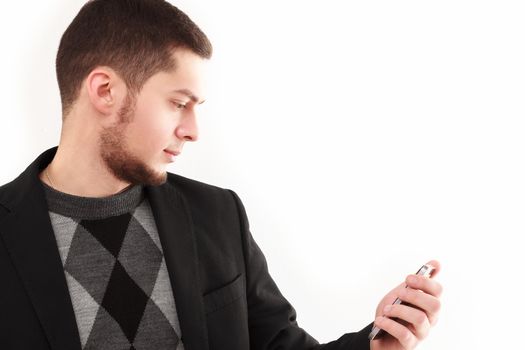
[(115, 270)]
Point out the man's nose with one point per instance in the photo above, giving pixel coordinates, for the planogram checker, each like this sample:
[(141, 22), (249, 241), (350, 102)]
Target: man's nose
[(187, 129)]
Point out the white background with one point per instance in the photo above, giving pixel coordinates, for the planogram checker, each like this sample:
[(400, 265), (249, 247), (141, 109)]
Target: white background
[(364, 139)]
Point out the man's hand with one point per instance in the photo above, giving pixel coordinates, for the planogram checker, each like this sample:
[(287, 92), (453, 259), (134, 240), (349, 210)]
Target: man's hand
[(407, 325)]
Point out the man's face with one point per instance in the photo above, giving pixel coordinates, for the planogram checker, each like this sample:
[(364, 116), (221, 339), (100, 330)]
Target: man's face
[(161, 120)]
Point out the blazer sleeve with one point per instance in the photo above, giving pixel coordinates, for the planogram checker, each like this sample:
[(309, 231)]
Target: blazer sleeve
[(271, 318)]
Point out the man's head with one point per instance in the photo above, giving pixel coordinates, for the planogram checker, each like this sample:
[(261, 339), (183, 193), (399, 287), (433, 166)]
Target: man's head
[(119, 63)]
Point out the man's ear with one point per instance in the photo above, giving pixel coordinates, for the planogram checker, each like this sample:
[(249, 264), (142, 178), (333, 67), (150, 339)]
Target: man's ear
[(104, 89)]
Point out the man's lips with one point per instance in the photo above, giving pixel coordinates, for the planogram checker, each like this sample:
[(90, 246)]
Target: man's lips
[(174, 153), (171, 154)]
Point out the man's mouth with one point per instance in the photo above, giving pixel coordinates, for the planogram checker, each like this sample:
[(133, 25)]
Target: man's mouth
[(171, 154), (174, 153)]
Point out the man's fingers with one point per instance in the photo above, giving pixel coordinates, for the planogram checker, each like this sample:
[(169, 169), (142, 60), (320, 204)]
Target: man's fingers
[(426, 302), (405, 337), (417, 318), (425, 284)]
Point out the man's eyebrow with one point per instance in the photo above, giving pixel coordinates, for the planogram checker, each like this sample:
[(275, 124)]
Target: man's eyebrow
[(189, 94)]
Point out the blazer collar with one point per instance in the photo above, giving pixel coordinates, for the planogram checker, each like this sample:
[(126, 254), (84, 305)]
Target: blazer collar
[(29, 238)]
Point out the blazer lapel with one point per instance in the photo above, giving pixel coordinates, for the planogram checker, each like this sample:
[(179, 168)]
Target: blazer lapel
[(178, 243), (28, 236)]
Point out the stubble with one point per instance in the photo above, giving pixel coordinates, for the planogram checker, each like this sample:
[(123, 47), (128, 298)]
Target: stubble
[(122, 163)]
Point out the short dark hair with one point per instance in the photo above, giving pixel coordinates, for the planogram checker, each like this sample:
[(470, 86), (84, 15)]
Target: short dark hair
[(136, 38)]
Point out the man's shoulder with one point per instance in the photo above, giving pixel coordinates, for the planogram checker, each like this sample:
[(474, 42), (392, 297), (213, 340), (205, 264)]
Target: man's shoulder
[(206, 198), (8, 192), (14, 191), (186, 183), (7, 186), (198, 191)]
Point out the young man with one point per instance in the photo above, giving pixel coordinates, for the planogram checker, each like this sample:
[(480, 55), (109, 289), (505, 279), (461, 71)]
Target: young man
[(101, 248)]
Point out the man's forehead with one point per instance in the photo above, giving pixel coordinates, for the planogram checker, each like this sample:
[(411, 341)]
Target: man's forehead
[(189, 76), (189, 84)]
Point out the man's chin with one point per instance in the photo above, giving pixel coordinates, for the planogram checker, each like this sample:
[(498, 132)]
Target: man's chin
[(144, 177), (132, 170)]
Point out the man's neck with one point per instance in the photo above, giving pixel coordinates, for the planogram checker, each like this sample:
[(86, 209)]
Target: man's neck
[(80, 172)]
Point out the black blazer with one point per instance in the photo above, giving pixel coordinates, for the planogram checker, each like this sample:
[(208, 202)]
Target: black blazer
[(225, 297)]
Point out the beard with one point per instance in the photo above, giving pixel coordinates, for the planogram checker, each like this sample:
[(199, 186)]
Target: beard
[(119, 160)]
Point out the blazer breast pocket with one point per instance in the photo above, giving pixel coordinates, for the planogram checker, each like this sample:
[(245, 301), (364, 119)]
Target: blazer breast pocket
[(225, 295), (227, 316)]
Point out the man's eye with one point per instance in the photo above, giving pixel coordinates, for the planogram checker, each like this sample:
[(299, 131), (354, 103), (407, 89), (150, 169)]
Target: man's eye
[(179, 105)]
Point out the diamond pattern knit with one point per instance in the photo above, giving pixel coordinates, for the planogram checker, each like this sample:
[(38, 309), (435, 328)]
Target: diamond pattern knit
[(115, 270)]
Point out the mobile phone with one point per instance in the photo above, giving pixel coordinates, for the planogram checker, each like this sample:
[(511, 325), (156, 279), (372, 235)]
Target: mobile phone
[(425, 270)]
